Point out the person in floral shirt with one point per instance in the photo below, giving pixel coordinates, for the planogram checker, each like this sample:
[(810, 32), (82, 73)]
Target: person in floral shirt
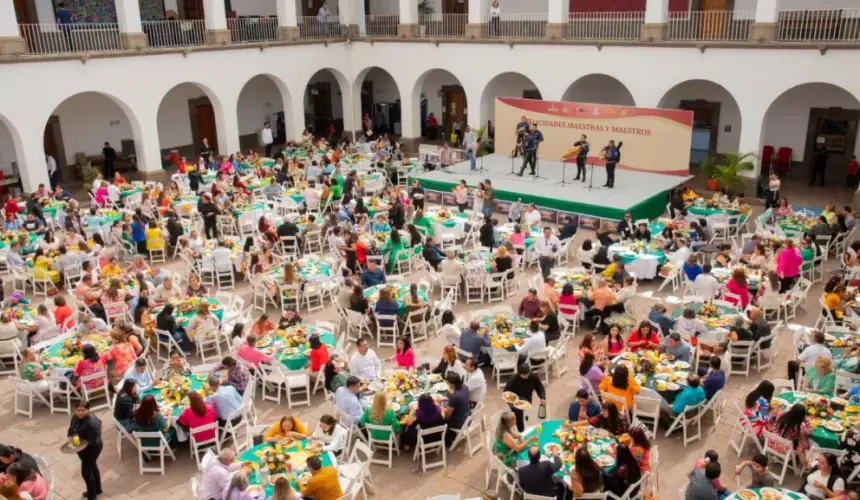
[(31, 370), (176, 366), (850, 442), (90, 364), (757, 407), (121, 353)]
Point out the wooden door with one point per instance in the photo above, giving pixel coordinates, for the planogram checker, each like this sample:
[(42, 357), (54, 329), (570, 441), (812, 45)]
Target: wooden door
[(320, 98), (454, 101), (21, 11), (48, 142), (714, 18), (193, 9), (366, 99), (206, 126), (455, 7), (311, 7)]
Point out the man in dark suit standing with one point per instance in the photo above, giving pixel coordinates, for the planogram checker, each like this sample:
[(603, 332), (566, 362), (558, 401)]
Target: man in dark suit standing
[(110, 160), (580, 158), (538, 477)]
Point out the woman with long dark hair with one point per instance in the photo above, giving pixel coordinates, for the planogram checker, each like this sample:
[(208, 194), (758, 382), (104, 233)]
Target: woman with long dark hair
[(404, 355), (640, 448), (425, 415), (357, 302), (609, 419), (198, 414), (591, 372), (585, 477), (825, 480), (626, 473), (793, 426), (621, 384), (335, 376), (123, 409), (148, 418), (757, 406)]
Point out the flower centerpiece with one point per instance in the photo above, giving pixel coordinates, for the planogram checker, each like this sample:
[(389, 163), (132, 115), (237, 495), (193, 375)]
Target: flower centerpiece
[(276, 459), (709, 310), (189, 305), (572, 438), (401, 381), (294, 337), (72, 347), (818, 407), (503, 323), (177, 390)]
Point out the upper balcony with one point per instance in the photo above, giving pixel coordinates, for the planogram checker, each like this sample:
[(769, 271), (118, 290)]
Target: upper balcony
[(131, 30)]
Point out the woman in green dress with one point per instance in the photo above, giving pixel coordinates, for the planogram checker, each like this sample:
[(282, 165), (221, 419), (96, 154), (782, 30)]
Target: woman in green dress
[(395, 244), (821, 379), (380, 414), (509, 443)]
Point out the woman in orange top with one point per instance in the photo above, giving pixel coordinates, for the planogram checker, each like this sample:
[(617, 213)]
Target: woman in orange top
[(262, 326), (621, 384), (121, 353)]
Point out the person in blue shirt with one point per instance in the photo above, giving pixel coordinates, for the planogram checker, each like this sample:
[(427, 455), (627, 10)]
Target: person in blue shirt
[(715, 379), (65, 19), (314, 171), (138, 234), (225, 398), (678, 348), (658, 315), (381, 225), (582, 408), (474, 343), (385, 306), (692, 268), (372, 276), (530, 144), (691, 395), (329, 167)]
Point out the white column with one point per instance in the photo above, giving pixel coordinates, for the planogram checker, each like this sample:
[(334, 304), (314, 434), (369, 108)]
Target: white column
[(287, 13), (31, 160), (227, 122), (766, 11), (408, 12), (128, 16), (294, 115), (479, 11), (558, 11), (146, 142), (216, 16), (8, 20), (656, 11), (410, 117), (752, 131)]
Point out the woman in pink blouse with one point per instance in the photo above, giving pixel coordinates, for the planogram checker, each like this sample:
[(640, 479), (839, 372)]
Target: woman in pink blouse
[(518, 237), (90, 364), (249, 353), (788, 264), (404, 356), (738, 286), (198, 414)]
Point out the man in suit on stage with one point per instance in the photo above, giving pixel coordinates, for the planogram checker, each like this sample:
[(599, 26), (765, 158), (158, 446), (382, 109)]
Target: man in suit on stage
[(580, 158), (612, 155)]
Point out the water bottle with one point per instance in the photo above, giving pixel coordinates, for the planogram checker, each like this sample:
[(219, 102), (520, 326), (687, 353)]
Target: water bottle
[(264, 474)]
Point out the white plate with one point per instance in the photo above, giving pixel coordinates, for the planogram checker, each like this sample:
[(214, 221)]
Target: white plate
[(440, 387), (395, 407)]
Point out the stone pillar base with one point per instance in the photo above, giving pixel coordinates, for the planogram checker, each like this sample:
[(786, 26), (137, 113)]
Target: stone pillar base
[(653, 32), (762, 32), (290, 33), (349, 30), (133, 41), (407, 30), (410, 145), (220, 37), (556, 31), (12, 45), (475, 31)]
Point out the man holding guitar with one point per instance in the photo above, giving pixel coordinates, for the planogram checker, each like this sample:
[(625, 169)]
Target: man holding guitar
[(583, 146), (612, 155), (523, 128)]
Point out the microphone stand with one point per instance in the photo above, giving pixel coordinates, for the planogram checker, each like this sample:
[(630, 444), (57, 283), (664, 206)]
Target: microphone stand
[(591, 181), (537, 165), (514, 155), (563, 172)]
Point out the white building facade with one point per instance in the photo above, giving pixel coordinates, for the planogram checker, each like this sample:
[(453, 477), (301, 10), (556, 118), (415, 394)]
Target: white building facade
[(763, 76)]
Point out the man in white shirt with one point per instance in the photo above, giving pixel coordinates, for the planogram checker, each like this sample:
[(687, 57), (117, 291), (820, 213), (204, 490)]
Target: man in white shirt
[(682, 254), (222, 258), (141, 376), (52, 171), (468, 138), (114, 194), (476, 382), (807, 357), (536, 342), (546, 248), (364, 363), (451, 268), (166, 291), (268, 139), (626, 292), (532, 216), (706, 286)]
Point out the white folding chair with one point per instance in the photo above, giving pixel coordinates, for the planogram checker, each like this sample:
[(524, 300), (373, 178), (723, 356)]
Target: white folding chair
[(202, 446), (781, 452), (149, 450), (424, 448), (691, 416), (388, 444)]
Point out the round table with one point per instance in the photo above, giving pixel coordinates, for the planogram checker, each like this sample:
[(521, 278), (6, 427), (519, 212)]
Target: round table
[(312, 267), (401, 290), (717, 326), (298, 456), (642, 259), (506, 230), (826, 438), (65, 354), (786, 494), (298, 194), (172, 395), (485, 257), (186, 204), (451, 221), (127, 190), (258, 208), (723, 274), (667, 378), (554, 431), (507, 330), (293, 344), (403, 387), (581, 282), (232, 244), (12, 235)]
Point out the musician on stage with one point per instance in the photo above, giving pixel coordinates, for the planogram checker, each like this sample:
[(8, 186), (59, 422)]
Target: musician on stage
[(530, 144), (583, 146), (523, 127), (612, 155)]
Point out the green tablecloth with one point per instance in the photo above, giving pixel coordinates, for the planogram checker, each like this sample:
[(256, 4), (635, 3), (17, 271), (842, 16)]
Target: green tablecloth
[(198, 380), (54, 357), (581, 282), (106, 218), (426, 381), (696, 306), (451, 220), (519, 331), (723, 274), (486, 257), (326, 459), (506, 230), (628, 256), (649, 381), (298, 360), (184, 318), (839, 351), (125, 194), (786, 494), (705, 211), (821, 436), (312, 267), (246, 208), (596, 446), (402, 290), (31, 239)]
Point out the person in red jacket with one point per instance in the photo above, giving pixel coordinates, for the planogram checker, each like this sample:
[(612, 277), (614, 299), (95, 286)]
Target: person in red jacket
[(853, 169), (319, 353)]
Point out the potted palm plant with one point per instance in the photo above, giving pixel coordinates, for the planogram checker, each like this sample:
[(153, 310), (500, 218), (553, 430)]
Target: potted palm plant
[(727, 171), (424, 10), (708, 166)]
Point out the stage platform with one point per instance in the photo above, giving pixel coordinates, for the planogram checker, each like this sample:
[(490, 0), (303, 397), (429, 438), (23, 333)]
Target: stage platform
[(642, 194)]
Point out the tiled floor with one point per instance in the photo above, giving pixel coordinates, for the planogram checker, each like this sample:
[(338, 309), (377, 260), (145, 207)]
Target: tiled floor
[(44, 434)]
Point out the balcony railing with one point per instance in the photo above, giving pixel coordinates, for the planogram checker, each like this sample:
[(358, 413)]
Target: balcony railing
[(314, 27), (517, 26), (60, 38), (381, 26), (253, 29), (189, 33), (836, 25), (605, 25), (442, 25), (710, 25)]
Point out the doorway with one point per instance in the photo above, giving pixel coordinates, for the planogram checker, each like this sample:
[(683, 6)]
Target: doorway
[(22, 11), (203, 124), (706, 128), (52, 143), (319, 95), (366, 99), (192, 9), (453, 108), (311, 7), (836, 129), (455, 7), (714, 18)]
